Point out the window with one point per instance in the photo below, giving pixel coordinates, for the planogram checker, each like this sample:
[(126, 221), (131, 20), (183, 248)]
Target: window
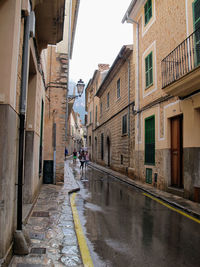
[(150, 140), (102, 148), (90, 117), (96, 115), (108, 100), (118, 88), (149, 69), (101, 108), (147, 11), (122, 160), (124, 124), (148, 176), (196, 22), (90, 140)]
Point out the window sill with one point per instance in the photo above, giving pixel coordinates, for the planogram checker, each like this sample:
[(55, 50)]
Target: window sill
[(145, 24), (149, 164), (125, 134), (118, 99), (148, 86)]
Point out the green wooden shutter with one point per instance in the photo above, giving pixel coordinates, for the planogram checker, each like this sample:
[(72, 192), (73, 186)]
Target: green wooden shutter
[(149, 69), (148, 176), (150, 140), (147, 11), (196, 22)]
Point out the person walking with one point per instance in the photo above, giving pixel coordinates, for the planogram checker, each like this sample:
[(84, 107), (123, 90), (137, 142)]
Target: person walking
[(82, 160), (74, 156), (66, 152), (86, 158)]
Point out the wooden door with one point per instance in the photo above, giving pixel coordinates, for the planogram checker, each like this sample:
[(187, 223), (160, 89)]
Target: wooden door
[(176, 151)]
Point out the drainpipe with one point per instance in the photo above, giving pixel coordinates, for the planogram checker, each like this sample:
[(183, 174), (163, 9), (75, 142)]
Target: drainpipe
[(129, 20), (129, 110), (20, 242), (22, 117), (67, 87)]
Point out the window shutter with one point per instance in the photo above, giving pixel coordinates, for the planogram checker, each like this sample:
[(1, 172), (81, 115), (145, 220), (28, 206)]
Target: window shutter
[(196, 14), (150, 69), (150, 140), (196, 21), (147, 11)]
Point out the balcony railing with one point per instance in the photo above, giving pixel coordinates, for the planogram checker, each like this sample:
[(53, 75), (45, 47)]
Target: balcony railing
[(182, 60)]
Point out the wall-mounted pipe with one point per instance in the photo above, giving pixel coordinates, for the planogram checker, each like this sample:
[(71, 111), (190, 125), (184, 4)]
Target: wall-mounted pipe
[(129, 20), (22, 117)]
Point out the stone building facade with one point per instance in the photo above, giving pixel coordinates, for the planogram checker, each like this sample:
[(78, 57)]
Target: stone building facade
[(113, 136), (166, 58), (92, 106), (58, 107), (26, 28), (55, 110)]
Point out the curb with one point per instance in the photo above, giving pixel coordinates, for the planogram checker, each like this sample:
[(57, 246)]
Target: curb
[(132, 183), (74, 190)]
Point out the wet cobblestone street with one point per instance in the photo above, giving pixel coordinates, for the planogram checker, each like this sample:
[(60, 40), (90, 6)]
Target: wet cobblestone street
[(51, 228)]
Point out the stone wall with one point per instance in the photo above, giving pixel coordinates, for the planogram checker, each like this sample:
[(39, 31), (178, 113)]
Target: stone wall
[(56, 108)]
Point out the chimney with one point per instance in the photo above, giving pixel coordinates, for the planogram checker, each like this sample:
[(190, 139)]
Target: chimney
[(103, 67)]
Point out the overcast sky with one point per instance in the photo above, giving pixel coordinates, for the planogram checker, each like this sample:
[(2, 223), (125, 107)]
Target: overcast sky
[(99, 36)]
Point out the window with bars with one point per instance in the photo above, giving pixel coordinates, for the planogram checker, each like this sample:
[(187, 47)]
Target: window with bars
[(149, 70), (196, 23), (108, 100), (124, 124), (147, 11), (150, 140), (118, 88)]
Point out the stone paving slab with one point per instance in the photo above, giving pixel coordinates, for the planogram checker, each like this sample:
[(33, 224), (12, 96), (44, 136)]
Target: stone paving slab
[(185, 204), (51, 228)]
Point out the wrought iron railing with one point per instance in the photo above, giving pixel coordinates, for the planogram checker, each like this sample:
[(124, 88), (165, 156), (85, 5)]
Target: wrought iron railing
[(183, 59)]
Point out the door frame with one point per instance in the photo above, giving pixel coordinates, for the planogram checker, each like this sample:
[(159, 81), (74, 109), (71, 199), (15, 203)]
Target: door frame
[(177, 151)]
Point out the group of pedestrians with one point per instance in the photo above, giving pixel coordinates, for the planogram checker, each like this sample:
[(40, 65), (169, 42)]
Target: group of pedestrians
[(83, 157)]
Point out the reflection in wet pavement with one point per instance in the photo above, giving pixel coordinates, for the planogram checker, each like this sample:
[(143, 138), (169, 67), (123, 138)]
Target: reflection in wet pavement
[(125, 228)]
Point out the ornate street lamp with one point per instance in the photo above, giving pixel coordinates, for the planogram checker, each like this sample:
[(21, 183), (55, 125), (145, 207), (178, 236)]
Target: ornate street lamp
[(80, 87)]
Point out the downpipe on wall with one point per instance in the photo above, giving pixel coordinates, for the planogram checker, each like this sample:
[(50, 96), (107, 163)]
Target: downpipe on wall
[(129, 20), (20, 238)]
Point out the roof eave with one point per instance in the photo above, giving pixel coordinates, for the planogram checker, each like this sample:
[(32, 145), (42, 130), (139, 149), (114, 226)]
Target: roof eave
[(129, 10)]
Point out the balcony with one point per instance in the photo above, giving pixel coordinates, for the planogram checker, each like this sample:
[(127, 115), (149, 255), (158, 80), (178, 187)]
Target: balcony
[(49, 21), (181, 68)]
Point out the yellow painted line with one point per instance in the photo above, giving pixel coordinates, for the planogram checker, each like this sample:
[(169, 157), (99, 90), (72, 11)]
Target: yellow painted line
[(172, 208), (85, 253)]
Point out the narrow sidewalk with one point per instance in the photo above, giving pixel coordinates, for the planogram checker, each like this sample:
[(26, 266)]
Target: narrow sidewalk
[(50, 227), (188, 206)]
